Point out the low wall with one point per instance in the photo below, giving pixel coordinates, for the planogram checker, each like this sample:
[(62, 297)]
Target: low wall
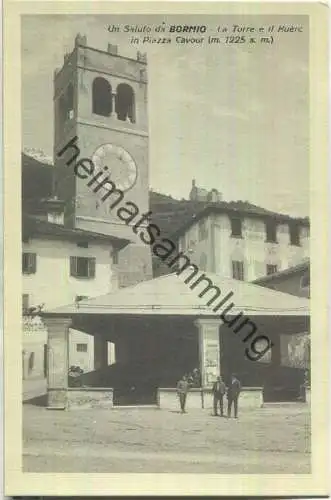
[(82, 398), (250, 397)]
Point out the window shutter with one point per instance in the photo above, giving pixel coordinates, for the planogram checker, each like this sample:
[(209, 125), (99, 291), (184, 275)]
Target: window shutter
[(33, 263), (73, 266), (91, 268), (238, 271)]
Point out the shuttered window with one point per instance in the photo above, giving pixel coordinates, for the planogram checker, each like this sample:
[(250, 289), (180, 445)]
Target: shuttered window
[(29, 263), (294, 234), (238, 270), (236, 227), (271, 269), (81, 347), (203, 230), (82, 267), (271, 232)]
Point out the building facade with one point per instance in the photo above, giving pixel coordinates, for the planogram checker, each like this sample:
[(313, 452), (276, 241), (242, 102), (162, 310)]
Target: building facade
[(100, 113), (242, 244), (62, 266), (294, 280)]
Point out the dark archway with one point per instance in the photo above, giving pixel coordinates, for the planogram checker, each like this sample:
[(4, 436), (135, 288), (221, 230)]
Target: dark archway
[(101, 97), (125, 103)]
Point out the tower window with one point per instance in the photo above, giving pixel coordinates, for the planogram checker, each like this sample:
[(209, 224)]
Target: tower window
[(62, 109), (70, 102), (66, 105), (125, 103), (101, 97)]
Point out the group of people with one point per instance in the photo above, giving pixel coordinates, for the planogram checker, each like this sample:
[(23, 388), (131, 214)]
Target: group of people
[(219, 391)]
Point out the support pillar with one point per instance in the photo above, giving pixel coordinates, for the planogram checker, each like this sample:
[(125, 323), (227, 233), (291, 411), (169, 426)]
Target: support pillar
[(209, 349), (100, 352), (58, 361), (25, 361), (276, 353)]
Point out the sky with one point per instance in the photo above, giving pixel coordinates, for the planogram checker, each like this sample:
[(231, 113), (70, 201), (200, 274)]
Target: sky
[(234, 117)]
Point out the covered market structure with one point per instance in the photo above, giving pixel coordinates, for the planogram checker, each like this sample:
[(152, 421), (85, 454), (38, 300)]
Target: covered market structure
[(169, 326)]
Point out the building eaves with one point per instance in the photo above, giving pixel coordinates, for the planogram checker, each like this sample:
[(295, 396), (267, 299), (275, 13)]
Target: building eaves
[(32, 227), (240, 209)]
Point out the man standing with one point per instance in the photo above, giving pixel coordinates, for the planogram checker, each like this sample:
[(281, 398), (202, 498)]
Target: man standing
[(218, 390), (182, 390), (233, 395)]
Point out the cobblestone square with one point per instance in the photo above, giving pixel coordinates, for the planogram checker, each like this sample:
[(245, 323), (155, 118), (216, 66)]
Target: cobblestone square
[(272, 440)]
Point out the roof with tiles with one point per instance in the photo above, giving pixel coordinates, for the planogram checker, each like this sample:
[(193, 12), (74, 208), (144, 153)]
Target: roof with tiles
[(35, 227), (171, 295), (174, 216), (298, 269)]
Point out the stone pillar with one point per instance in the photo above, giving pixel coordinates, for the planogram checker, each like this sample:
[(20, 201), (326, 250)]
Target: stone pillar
[(113, 106), (25, 360), (209, 349), (58, 361), (275, 352), (100, 352)]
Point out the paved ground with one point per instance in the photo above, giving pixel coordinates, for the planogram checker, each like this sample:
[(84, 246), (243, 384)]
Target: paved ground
[(266, 440), (33, 388)]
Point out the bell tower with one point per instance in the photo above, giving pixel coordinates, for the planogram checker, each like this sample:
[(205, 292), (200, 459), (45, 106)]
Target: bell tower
[(100, 98)]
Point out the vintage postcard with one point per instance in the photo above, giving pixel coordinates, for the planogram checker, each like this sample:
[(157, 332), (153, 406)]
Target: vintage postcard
[(165, 252)]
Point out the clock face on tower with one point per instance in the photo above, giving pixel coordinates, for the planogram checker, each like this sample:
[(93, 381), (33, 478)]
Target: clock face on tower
[(122, 169)]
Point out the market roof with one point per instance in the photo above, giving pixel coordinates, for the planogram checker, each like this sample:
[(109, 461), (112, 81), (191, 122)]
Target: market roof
[(32, 226), (170, 295)]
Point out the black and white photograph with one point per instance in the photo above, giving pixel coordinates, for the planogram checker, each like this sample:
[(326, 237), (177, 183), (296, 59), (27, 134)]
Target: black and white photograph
[(166, 204)]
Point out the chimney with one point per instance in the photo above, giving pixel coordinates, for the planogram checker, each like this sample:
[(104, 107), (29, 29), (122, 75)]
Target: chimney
[(112, 49), (194, 192), (80, 40)]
